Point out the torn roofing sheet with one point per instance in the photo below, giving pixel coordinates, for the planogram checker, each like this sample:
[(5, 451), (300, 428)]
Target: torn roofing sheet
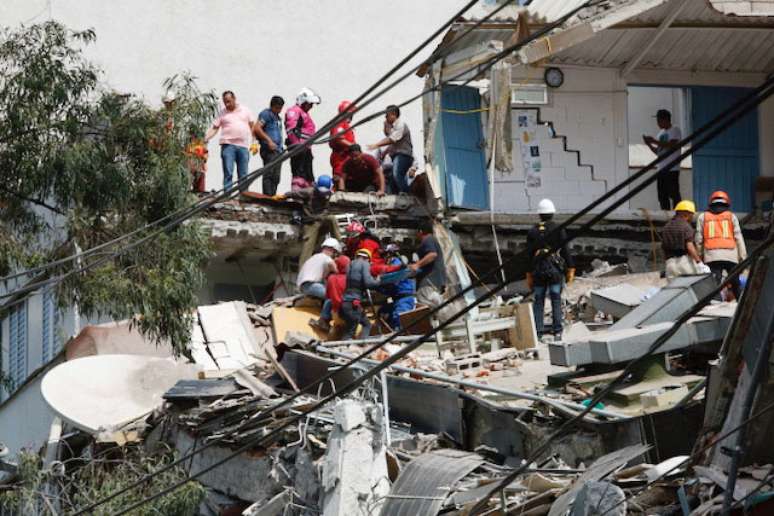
[(427, 481)]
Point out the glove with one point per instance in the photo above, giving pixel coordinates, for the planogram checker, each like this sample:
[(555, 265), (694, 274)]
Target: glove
[(570, 275), (703, 268), (254, 149), (278, 197), (530, 281)]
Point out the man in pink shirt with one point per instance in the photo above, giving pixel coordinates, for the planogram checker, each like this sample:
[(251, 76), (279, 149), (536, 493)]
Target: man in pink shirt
[(300, 126), (235, 123)]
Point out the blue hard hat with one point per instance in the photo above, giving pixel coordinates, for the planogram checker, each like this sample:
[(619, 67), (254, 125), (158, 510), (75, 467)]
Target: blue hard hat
[(324, 183)]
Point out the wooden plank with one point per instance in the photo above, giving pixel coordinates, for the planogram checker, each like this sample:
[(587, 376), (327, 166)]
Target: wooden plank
[(525, 334), (294, 318), (408, 318)]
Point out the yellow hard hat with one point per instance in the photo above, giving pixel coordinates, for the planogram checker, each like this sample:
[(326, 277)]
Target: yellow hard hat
[(686, 206), (363, 252)]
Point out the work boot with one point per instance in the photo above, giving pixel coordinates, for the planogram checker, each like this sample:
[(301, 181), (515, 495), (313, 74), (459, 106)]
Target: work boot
[(320, 324)]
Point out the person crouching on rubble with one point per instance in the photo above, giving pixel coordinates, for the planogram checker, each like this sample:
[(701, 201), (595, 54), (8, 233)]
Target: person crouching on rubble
[(677, 241), (402, 293), (551, 265), (359, 237), (315, 198), (315, 270), (334, 293), (719, 239), (359, 280)]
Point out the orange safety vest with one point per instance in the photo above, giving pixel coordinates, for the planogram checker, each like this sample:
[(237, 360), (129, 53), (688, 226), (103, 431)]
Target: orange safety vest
[(719, 230)]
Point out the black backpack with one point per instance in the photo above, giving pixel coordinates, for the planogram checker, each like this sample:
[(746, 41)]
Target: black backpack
[(549, 266)]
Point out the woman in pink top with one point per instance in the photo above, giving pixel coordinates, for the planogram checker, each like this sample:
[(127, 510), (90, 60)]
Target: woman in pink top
[(235, 124), (300, 126)]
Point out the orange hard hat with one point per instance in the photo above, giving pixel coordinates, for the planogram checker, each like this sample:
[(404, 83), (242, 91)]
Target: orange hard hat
[(720, 196)]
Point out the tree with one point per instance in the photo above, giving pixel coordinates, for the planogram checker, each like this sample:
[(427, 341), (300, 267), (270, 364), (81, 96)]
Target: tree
[(83, 165)]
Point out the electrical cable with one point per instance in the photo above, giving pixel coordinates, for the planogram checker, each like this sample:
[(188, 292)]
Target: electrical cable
[(366, 353), (400, 354), (630, 367), (689, 461), (285, 155)]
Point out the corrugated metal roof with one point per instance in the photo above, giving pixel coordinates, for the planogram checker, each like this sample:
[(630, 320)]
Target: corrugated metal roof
[(479, 11), (700, 38)]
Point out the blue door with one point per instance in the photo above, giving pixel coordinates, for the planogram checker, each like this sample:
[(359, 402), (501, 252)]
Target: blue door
[(464, 169), (729, 162)]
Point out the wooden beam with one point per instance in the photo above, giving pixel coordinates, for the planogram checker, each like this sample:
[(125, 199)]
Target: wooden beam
[(665, 23)]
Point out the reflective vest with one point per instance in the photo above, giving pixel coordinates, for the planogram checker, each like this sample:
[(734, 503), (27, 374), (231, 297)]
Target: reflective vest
[(719, 230)]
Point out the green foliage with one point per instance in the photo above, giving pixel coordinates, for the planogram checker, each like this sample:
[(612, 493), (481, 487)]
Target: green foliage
[(35, 492), (83, 165)]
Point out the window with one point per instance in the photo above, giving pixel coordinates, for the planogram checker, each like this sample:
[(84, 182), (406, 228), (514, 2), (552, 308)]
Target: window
[(52, 341), (17, 344)]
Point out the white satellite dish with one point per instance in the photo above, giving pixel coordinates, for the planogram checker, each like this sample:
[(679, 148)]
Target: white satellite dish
[(102, 394)]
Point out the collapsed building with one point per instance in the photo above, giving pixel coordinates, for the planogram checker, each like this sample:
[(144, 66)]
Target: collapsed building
[(490, 392)]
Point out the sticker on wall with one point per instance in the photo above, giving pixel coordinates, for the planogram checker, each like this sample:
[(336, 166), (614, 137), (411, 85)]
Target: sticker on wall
[(530, 149)]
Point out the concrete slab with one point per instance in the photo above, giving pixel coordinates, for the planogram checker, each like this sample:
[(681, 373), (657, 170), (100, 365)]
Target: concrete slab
[(618, 300)]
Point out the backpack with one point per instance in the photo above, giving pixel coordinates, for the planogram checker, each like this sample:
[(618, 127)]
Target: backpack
[(549, 266)]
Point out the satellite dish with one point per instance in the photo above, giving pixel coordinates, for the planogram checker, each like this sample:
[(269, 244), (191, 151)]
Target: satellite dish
[(102, 394)]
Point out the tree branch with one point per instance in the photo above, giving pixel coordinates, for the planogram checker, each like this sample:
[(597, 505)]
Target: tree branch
[(33, 201)]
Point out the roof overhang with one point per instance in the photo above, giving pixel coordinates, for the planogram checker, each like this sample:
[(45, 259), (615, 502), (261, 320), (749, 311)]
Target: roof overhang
[(674, 35)]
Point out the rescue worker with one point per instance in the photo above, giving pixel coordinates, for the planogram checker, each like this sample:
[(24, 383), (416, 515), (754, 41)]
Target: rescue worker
[(719, 239), (342, 138), (359, 280), (360, 238), (552, 265), (402, 294), (361, 173), (677, 241), (315, 199), (299, 126), (268, 131), (430, 269), (315, 271), (334, 293)]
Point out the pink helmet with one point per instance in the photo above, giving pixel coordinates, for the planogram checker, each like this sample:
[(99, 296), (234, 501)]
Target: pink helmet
[(356, 227)]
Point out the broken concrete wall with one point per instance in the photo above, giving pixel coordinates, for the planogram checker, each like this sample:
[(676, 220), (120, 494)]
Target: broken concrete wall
[(355, 477)]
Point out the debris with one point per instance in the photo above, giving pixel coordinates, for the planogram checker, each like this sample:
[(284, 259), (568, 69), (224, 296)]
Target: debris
[(598, 498), (253, 384), (355, 477)]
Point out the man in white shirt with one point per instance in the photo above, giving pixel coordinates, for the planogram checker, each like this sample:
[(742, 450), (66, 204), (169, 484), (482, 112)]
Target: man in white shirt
[(665, 143), (314, 271)]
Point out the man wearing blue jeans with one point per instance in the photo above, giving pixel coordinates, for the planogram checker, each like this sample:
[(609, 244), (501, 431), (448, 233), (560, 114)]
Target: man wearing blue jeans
[(551, 266), (235, 123), (314, 271), (398, 142)]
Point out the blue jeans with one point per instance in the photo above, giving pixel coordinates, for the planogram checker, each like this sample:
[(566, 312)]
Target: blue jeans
[(555, 292), (230, 154), (313, 289), (401, 163), (326, 314)]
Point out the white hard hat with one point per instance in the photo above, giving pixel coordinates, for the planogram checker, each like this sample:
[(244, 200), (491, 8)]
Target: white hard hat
[(333, 244), (306, 95), (545, 207)]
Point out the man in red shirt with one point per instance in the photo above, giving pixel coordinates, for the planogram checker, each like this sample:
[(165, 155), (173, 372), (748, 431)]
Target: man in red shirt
[(361, 173), (334, 293), (342, 137)]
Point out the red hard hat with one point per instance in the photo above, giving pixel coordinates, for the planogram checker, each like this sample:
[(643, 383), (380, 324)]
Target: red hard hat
[(346, 105), (720, 196), (355, 227)]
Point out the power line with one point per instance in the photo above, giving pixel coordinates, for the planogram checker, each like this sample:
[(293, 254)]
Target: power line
[(215, 197), (694, 456), (500, 286), (403, 352)]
